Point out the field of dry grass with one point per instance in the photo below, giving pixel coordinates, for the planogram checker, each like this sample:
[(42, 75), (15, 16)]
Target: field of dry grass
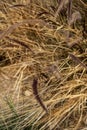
[(43, 65)]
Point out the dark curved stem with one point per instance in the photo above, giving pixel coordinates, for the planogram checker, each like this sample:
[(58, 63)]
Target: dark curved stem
[(35, 92), (69, 11)]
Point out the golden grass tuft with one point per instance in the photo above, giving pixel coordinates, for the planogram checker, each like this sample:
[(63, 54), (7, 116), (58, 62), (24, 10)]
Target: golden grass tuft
[(37, 41)]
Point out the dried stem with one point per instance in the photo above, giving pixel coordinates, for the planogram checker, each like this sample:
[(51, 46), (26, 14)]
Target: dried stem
[(76, 59), (69, 11), (35, 92)]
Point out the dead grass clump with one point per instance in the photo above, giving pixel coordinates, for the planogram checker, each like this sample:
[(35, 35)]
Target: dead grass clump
[(43, 65)]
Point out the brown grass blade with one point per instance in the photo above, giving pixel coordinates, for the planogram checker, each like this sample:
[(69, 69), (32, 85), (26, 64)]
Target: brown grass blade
[(21, 43), (35, 92), (69, 10), (60, 7), (76, 59)]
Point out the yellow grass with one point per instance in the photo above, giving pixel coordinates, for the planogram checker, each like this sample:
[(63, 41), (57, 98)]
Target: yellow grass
[(34, 43)]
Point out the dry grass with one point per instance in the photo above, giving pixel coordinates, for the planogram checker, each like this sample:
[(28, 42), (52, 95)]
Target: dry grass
[(40, 39)]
